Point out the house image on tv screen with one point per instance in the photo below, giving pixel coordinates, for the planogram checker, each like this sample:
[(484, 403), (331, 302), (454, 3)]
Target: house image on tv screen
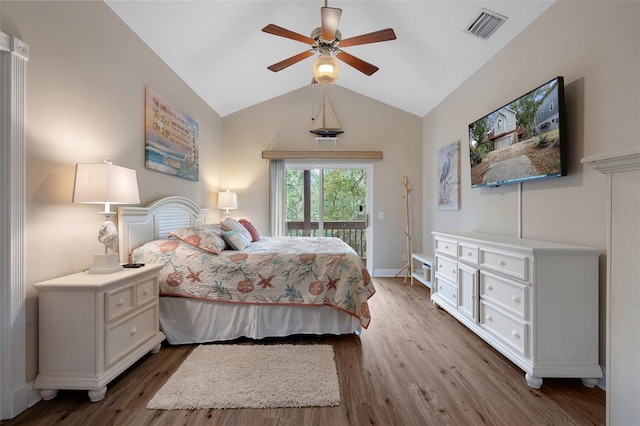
[(505, 130), (548, 116)]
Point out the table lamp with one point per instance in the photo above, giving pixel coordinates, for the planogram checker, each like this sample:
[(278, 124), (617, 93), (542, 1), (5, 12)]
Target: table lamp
[(105, 184)]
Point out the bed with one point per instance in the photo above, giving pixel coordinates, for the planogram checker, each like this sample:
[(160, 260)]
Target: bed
[(274, 287)]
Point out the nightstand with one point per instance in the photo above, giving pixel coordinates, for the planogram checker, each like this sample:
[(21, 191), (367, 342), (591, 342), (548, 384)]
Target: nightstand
[(95, 326)]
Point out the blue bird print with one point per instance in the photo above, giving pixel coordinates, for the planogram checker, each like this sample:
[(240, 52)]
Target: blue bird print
[(445, 168)]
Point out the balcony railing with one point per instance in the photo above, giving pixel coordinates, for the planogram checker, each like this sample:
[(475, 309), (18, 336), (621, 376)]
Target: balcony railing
[(352, 233)]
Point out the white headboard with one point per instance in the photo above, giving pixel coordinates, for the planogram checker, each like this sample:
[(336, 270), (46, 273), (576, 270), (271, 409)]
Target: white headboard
[(138, 225)]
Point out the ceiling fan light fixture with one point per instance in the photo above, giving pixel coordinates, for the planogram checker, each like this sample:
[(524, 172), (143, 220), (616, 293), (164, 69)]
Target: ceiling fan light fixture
[(325, 69)]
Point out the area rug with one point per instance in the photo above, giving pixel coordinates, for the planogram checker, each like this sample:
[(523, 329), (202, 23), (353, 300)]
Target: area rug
[(252, 376)]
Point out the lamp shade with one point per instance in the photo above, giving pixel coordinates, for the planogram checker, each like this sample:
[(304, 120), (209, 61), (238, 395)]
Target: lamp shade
[(325, 69), (227, 200), (105, 184)]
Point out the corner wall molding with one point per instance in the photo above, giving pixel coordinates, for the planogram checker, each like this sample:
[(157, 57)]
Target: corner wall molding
[(325, 155), (14, 390), (614, 162)]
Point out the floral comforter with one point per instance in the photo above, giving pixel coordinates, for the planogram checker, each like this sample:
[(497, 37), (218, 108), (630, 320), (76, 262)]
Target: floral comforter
[(274, 271)]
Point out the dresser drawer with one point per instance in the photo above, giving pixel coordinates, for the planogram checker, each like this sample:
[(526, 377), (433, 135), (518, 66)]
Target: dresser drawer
[(447, 291), (146, 290), (509, 294), (128, 334), (468, 253), (506, 263), (504, 327), (447, 268), (446, 246), (119, 302)]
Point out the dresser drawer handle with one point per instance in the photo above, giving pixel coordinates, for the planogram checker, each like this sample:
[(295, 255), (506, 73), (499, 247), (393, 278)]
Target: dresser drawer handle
[(453, 271), (119, 303), (489, 318), (145, 292), (489, 288), (515, 334), (453, 295), (133, 331), (469, 254), (516, 299), (446, 246), (502, 263)]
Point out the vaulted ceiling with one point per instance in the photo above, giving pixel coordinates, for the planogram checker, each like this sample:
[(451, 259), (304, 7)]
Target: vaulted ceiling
[(219, 50)]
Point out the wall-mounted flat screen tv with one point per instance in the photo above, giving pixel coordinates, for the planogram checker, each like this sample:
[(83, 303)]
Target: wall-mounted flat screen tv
[(522, 141)]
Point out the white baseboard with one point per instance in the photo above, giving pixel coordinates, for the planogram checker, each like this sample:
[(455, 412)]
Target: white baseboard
[(387, 273)]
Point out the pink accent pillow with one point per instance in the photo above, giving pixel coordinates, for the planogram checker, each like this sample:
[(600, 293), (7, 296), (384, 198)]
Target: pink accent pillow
[(255, 235)]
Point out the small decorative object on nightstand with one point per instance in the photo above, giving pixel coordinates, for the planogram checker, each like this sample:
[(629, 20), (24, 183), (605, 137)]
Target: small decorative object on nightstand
[(95, 326)]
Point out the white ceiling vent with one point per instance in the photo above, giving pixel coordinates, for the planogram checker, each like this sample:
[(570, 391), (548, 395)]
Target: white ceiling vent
[(485, 24)]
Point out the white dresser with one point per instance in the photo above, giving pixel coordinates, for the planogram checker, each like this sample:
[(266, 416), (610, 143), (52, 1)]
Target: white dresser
[(94, 326), (535, 302)]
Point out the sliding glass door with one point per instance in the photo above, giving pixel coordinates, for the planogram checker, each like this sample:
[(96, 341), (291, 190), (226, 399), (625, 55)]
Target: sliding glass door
[(329, 200)]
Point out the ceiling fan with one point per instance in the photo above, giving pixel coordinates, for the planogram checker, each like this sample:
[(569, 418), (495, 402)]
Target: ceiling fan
[(326, 41)]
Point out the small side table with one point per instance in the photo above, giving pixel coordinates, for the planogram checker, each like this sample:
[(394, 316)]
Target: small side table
[(95, 326), (424, 273)]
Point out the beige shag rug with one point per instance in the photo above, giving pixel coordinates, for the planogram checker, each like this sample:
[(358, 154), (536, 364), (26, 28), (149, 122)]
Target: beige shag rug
[(252, 376)]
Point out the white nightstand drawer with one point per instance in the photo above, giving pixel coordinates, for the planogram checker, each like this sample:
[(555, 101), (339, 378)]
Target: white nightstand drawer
[(509, 294), (510, 264), (127, 335), (468, 253), (447, 268), (119, 302), (505, 328), (146, 291)]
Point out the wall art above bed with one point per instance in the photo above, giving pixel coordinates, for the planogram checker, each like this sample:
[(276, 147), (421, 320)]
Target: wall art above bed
[(171, 138)]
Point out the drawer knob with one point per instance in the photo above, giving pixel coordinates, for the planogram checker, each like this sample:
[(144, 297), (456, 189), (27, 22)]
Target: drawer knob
[(453, 271), (133, 331), (446, 246), (516, 299), (515, 334), (119, 303), (502, 263), (145, 292), (469, 254), (490, 288), (489, 318), (453, 295)]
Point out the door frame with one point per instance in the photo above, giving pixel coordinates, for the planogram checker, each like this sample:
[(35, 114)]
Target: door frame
[(336, 164)]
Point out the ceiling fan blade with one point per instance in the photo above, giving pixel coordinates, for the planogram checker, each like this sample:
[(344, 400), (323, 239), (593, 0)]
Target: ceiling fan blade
[(374, 37), (290, 61), (357, 63), (283, 32), (330, 18)]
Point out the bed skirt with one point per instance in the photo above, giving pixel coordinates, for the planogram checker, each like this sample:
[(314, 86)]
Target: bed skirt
[(184, 320)]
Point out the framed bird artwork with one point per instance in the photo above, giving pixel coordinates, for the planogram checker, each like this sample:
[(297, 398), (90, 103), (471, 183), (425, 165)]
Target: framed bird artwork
[(449, 177)]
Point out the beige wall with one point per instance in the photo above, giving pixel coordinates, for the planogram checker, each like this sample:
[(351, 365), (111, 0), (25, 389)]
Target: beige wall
[(86, 81), (283, 124), (596, 47)]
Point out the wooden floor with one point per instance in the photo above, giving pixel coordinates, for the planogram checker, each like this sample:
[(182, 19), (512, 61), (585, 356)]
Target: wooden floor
[(415, 365)]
